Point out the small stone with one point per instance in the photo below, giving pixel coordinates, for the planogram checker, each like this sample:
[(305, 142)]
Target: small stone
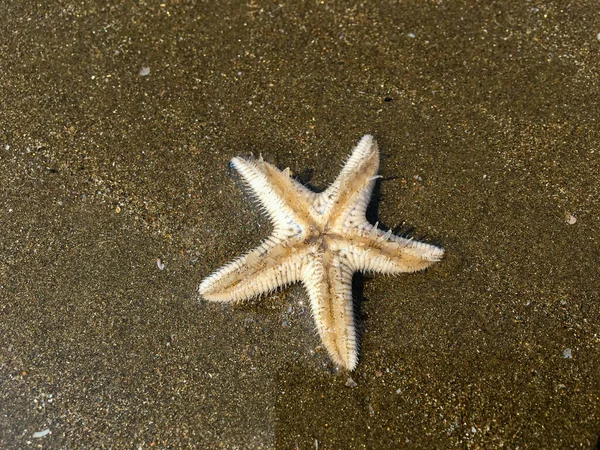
[(571, 219), (160, 264), (351, 383), (567, 354), (144, 71), (118, 209)]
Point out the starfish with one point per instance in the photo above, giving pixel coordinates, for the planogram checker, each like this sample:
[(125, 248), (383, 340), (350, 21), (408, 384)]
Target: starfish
[(320, 239)]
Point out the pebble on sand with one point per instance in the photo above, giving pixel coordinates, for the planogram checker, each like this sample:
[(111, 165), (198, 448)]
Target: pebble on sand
[(351, 383)]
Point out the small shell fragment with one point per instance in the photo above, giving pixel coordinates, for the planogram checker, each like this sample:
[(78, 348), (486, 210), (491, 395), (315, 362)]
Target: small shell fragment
[(41, 434)]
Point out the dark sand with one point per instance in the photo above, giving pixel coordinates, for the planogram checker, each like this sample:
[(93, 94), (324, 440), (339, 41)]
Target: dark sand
[(488, 119)]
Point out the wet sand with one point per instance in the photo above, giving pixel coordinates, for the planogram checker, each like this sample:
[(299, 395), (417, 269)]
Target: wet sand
[(116, 128)]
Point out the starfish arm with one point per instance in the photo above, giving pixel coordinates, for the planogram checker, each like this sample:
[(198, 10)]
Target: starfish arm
[(271, 265), (328, 282), (285, 201), (376, 251), (353, 187)]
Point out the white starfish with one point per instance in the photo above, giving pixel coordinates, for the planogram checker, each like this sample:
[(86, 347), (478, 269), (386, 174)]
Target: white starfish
[(320, 239)]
